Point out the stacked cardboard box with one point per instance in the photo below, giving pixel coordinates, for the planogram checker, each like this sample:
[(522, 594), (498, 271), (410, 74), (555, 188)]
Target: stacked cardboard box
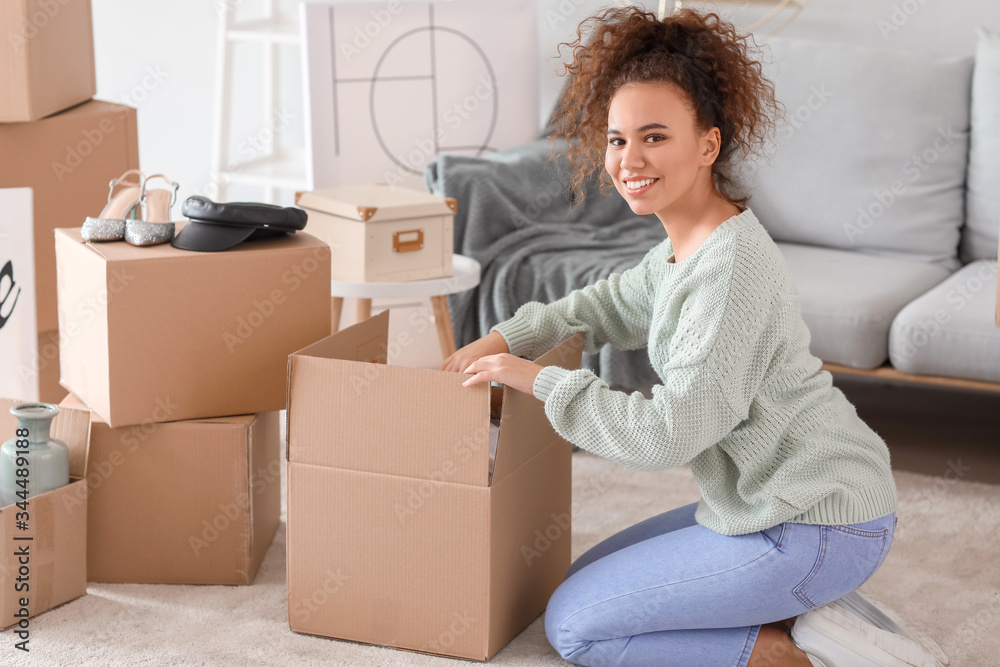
[(60, 149), (46, 58), (66, 147), (185, 502), (182, 358)]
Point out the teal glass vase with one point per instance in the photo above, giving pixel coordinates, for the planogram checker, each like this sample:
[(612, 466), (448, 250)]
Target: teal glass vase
[(32, 463)]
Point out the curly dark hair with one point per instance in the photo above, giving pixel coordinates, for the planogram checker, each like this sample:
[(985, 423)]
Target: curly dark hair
[(702, 54)]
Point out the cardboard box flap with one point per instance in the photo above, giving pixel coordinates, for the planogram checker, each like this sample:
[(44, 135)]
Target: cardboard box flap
[(73, 401), (71, 425), (120, 251), (345, 412), (365, 341), (523, 416), (531, 538), (239, 420), (376, 203)]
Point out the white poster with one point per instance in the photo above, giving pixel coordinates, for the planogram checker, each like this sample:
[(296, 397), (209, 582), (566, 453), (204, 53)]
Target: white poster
[(390, 85), (18, 324)]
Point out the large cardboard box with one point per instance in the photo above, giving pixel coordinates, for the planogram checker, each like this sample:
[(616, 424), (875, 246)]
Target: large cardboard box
[(56, 534), (68, 160), (379, 233), (46, 57), (398, 532), (188, 502), (153, 334)]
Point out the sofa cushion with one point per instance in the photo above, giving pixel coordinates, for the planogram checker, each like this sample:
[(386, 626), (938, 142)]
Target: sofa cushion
[(950, 330), (849, 299), (982, 199), (871, 154)]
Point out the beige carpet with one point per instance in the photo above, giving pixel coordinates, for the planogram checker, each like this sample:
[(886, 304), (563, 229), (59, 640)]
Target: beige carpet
[(942, 575)]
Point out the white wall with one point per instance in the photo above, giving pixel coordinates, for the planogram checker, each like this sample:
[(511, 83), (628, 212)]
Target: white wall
[(159, 57)]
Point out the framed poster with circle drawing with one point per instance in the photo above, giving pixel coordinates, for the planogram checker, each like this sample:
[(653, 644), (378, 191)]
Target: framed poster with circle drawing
[(389, 86)]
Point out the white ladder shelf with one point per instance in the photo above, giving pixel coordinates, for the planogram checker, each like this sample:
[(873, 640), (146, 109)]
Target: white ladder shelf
[(274, 168)]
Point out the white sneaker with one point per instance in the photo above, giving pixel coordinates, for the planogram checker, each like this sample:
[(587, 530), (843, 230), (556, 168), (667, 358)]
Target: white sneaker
[(833, 635), (884, 618)]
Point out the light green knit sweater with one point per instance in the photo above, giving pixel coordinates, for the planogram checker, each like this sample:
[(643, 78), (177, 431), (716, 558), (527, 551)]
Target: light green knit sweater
[(768, 436)]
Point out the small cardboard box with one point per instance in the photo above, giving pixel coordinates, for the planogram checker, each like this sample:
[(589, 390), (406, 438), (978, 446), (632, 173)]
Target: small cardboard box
[(56, 528), (153, 334), (379, 233), (46, 57), (188, 502), (398, 532), (67, 160)]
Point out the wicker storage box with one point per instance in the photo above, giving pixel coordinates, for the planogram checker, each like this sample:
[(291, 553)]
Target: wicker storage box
[(379, 233)]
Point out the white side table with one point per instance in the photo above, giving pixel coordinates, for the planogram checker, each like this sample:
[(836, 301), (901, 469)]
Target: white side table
[(465, 275)]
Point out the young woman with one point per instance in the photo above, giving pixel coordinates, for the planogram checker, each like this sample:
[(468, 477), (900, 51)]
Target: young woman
[(798, 499)]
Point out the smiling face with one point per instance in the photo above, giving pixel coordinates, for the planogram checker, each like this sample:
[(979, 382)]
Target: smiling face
[(655, 155)]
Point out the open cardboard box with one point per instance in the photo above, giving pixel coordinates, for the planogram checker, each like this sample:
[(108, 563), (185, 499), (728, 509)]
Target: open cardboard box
[(56, 528), (398, 534), (187, 502)]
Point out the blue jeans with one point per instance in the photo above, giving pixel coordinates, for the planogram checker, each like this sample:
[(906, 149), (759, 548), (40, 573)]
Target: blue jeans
[(668, 591)]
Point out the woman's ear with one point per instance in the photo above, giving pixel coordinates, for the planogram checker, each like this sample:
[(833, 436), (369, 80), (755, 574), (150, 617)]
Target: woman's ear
[(710, 145)]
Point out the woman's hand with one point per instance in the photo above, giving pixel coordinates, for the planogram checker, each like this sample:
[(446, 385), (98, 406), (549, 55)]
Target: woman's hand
[(491, 343), (489, 359), (505, 368)]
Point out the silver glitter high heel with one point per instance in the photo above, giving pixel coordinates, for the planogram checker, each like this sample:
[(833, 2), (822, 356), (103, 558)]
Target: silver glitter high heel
[(155, 226), (110, 224)]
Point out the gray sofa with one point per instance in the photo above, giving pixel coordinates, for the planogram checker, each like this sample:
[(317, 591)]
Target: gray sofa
[(881, 188)]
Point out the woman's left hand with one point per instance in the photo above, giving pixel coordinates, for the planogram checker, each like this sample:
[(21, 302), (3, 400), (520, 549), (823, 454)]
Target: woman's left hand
[(505, 368)]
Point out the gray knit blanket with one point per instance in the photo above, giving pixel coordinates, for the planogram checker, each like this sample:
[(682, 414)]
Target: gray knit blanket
[(514, 218)]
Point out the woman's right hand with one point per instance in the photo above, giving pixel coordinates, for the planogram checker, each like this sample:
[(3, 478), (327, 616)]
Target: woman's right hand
[(491, 343)]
